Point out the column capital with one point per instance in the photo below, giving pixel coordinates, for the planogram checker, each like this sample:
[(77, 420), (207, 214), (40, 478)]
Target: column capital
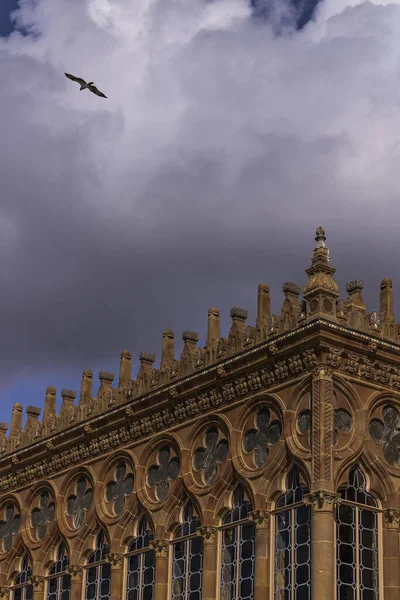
[(322, 372), (208, 533), (116, 560), (392, 518), (4, 593), (261, 518), (160, 547), (75, 571), (37, 582), (322, 500)]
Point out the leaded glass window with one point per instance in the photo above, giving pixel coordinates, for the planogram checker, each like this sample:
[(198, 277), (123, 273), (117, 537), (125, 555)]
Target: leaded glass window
[(98, 573), (187, 558), (22, 589), (357, 541), (141, 565), (59, 582), (293, 542), (238, 550)]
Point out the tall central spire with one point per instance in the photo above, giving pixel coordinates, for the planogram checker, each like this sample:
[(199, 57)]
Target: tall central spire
[(321, 271)]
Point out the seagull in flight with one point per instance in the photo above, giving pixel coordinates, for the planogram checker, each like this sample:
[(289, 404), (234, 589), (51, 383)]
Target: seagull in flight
[(86, 86)]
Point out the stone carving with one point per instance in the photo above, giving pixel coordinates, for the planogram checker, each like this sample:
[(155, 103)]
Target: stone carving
[(9, 527), (392, 518), (342, 422), (80, 502), (43, 515), (260, 518), (115, 559), (160, 547), (37, 582), (266, 434), (322, 501), (352, 363), (117, 489), (333, 357), (4, 593), (208, 458), (387, 434), (75, 571), (160, 475), (208, 533)]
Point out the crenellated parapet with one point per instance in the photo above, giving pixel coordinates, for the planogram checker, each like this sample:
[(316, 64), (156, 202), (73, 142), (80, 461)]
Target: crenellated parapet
[(320, 302)]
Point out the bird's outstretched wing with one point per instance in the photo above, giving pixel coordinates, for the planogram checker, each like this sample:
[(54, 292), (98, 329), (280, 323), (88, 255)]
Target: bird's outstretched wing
[(94, 89), (77, 79)]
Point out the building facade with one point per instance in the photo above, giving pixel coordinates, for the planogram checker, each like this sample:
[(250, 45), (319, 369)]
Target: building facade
[(264, 466)]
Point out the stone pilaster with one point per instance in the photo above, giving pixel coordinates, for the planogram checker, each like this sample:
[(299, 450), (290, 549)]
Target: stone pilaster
[(262, 563), (38, 586), (391, 561), (76, 573), (117, 575), (323, 576), (210, 561), (161, 548), (322, 428)]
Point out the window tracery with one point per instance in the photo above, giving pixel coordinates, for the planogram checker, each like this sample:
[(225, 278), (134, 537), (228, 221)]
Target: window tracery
[(141, 565), (59, 581), (187, 558), (357, 541), (238, 550), (98, 572), (293, 542), (22, 589)]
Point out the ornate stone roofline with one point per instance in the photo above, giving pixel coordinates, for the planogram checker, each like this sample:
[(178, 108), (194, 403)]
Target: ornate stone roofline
[(138, 420)]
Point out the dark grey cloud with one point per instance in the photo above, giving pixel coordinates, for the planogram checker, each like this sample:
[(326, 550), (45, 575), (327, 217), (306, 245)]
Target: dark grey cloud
[(220, 148)]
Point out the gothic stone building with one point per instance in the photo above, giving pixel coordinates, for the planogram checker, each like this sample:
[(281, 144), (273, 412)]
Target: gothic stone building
[(264, 466)]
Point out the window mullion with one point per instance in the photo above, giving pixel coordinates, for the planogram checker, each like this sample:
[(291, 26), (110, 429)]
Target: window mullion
[(292, 552), (357, 510), (186, 555), (237, 558)]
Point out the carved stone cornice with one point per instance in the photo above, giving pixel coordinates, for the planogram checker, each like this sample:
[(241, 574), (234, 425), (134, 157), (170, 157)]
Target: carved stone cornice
[(75, 571), (392, 518), (261, 518), (116, 560), (160, 547), (322, 500), (208, 533)]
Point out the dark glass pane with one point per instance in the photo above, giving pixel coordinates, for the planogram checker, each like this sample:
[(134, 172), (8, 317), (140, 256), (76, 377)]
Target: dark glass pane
[(302, 574), (246, 589), (91, 575), (90, 592), (53, 585), (367, 519)]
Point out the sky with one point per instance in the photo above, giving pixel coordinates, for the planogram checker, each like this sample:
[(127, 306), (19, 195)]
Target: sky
[(229, 133)]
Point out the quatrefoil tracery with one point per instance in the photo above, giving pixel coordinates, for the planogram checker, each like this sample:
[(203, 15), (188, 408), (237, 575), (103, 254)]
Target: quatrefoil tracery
[(208, 458), (386, 432), (159, 476), (43, 515), (258, 440), (80, 502), (9, 527), (119, 488), (343, 422)]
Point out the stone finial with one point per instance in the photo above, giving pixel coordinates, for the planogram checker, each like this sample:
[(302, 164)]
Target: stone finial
[(355, 306), (239, 314), (213, 334), (146, 357), (386, 314), (145, 371), (290, 308), (32, 427), (167, 350), (33, 411), (106, 377), (237, 332), (190, 336), (86, 388), (321, 271), (189, 352), (16, 420), (3, 429), (125, 369), (68, 395), (263, 312), (50, 403)]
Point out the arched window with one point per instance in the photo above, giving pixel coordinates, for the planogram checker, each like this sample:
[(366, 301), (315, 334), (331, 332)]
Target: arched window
[(187, 558), (293, 542), (98, 576), (238, 550), (22, 590), (357, 541), (141, 565), (59, 582)]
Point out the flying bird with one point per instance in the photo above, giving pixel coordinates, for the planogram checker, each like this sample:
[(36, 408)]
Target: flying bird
[(86, 86)]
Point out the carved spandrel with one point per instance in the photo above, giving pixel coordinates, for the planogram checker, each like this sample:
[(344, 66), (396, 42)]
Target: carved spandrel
[(258, 440), (160, 475), (208, 458), (80, 502), (119, 488), (40, 517), (386, 432), (9, 527)]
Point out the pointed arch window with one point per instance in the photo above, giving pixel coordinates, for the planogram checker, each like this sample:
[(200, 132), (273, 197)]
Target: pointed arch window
[(141, 565), (98, 572), (22, 589), (238, 550), (357, 541), (187, 558), (59, 581), (293, 542)]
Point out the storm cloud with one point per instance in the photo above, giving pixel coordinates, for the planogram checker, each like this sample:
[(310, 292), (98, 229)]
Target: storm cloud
[(224, 142)]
